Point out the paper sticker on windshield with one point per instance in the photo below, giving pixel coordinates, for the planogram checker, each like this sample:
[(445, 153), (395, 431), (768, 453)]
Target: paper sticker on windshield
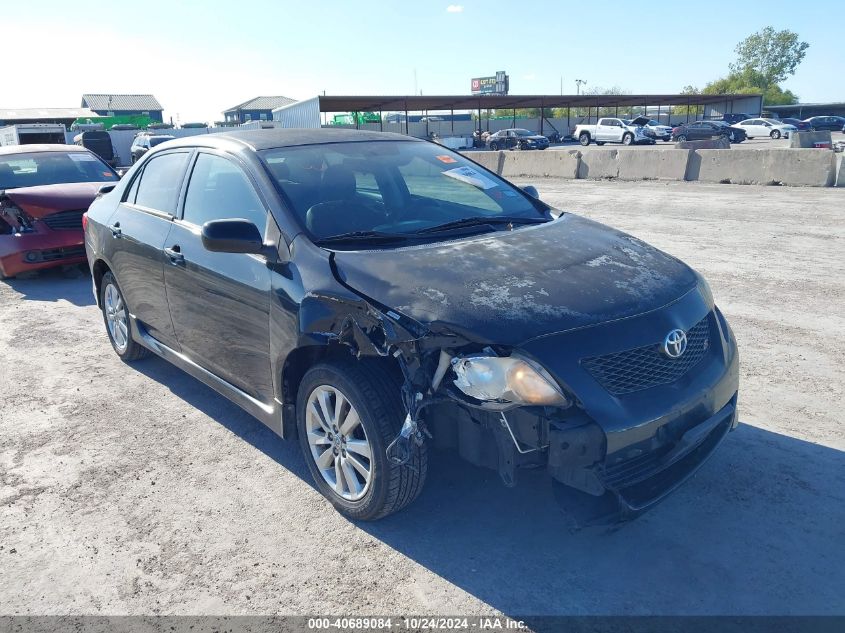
[(471, 176), (83, 157), (446, 159)]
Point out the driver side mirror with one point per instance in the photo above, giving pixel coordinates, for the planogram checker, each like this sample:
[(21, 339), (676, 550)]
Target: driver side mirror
[(231, 236), (531, 190)]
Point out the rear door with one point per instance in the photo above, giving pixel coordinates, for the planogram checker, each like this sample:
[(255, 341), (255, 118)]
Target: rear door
[(139, 228), (220, 302)]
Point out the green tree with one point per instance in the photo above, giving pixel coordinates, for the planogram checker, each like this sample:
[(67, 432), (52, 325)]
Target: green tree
[(771, 55)]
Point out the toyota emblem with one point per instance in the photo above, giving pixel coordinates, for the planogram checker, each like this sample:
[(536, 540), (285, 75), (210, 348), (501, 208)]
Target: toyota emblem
[(675, 344)]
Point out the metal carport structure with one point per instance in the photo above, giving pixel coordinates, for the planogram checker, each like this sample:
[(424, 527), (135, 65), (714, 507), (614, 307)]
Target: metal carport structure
[(420, 103)]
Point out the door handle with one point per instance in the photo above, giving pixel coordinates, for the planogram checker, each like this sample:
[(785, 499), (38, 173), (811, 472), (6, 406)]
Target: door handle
[(175, 255), (115, 230)]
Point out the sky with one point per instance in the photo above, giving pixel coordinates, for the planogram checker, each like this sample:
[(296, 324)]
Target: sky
[(200, 58)]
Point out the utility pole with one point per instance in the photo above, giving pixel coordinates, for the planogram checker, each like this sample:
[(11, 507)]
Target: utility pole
[(578, 84)]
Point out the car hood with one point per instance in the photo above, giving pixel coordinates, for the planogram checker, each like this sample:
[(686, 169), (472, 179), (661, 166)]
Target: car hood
[(640, 121), (510, 286), (46, 199)]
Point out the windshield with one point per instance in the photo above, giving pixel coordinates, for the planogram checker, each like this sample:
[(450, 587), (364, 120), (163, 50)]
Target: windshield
[(157, 140), (32, 169), (653, 122), (395, 187)]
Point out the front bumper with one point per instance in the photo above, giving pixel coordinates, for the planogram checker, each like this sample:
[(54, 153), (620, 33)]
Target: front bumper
[(654, 436), (43, 248)]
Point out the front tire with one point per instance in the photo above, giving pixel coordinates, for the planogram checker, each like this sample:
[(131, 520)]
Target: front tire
[(682, 138), (116, 318), (494, 147), (347, 414), (775, 134)]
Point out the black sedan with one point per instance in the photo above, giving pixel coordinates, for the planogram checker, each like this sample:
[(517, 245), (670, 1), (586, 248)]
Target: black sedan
[(702, 130), (516, 138), (832, 123), (801, 126), (366, 292)]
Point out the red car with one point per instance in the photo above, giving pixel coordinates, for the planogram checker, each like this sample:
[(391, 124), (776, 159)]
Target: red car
[(44, 190)]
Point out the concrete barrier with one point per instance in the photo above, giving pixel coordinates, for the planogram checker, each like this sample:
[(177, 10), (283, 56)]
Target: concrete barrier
[(840, 171), (802, 168), (808, 168), (542, 164), (600, 163), (710, 143), (654, 164), (809, 139)]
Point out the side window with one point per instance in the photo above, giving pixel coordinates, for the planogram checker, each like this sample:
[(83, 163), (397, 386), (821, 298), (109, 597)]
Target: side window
[(218, 190), (160, 182), (133, 190)]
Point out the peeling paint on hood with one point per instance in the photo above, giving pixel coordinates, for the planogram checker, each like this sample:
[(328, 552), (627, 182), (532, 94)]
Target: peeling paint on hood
[(511, 286)]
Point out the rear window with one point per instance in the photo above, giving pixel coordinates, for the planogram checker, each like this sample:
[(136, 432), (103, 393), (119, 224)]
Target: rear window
[(33, 169)]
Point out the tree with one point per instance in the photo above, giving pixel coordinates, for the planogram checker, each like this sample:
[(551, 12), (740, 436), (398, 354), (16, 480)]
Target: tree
[(772, 55)]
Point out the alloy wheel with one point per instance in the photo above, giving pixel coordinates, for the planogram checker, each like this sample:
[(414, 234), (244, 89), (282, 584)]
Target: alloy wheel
[(338, 442), (116, 321)]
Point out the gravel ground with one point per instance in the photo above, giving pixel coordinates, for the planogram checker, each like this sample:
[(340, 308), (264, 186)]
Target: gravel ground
[(137, 490)]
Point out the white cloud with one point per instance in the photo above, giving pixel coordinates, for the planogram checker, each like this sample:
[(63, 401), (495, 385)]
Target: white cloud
[(455, 8)]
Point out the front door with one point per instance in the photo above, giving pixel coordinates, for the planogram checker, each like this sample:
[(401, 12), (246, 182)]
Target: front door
[(141, 224), (220, 302)]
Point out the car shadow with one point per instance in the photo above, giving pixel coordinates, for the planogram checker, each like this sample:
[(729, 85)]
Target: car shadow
[(758, 530), (71, 283)]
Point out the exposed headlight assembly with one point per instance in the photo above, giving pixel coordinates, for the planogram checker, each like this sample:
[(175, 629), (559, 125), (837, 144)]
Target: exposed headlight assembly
[(504, 382)]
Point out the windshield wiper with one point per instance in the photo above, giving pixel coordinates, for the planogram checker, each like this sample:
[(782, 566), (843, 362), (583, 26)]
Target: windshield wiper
[(480, 221), (362, 236)]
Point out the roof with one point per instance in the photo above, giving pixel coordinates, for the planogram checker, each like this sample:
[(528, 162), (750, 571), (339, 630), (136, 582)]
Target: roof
[(289, 137), (30, 114), (475, 102), (35, 147), (796, 106), (117, 103), (262, 103)]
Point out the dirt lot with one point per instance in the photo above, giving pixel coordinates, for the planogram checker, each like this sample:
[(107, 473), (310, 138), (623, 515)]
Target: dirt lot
[(137, 490)]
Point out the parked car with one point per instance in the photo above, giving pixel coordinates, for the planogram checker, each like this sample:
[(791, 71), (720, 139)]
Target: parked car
[(799, 125), (516, 138), (142, 143), (360, 290), (612, 130), (44, 190), (663, 132), (703, 130), (99, 142), (766, 127), (735, 117), (832, 123)]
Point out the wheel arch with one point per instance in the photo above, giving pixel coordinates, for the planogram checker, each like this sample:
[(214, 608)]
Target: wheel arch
[(98, 271)]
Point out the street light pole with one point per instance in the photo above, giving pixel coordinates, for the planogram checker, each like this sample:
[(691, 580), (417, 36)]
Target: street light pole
[(578, 84)]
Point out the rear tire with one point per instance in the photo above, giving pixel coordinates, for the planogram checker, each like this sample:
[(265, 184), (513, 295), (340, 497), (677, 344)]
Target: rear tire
[(599, 143), (116, 318), (627, 138), (584, 139), (372, 393)]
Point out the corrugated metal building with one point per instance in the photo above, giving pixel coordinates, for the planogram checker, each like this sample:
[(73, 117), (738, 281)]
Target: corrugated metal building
[(65, 116), (256, 109), (124, 105)]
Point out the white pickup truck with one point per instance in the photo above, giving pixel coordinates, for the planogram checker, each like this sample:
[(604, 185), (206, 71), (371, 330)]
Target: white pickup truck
[(613, 130)]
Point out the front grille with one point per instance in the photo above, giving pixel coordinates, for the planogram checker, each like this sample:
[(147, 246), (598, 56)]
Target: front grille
[(65, 220), (56, 254), (644, 367)]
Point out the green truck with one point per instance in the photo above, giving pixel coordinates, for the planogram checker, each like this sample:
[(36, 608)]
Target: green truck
[(355, 117), (140, 121)]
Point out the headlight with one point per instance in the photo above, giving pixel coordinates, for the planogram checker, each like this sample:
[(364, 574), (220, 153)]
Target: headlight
[(506, 381)]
